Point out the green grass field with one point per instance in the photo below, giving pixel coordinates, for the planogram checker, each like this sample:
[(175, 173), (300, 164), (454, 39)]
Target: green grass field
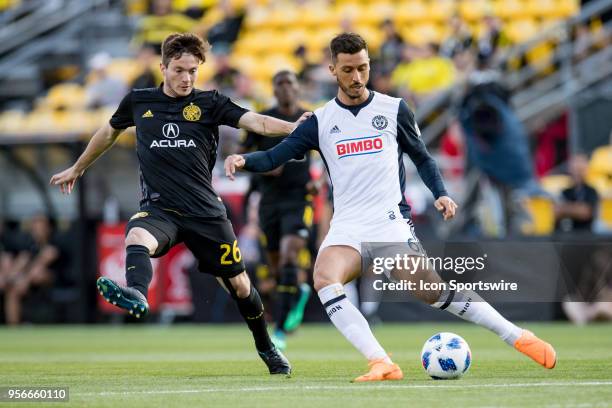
[(203, 366)]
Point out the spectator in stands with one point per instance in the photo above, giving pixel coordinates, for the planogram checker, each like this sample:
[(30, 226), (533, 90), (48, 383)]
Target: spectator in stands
[(225, 32), (301, 54), (36, 268), (497, 144), (162, 22), (493, 37), (103, 90), (391, 49), (578, 205), (422, 72), (225, 74), (147, 58), (13, 255), (458, 40), (459, 46)]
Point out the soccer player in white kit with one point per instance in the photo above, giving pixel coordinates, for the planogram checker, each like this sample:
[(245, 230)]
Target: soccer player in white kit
[(361, 136)]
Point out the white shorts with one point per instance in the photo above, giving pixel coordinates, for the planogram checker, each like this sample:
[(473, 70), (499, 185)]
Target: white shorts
[(398, 230)]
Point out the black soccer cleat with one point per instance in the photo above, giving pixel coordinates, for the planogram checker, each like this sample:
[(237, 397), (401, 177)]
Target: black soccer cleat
[(129, 299), (275, 360)]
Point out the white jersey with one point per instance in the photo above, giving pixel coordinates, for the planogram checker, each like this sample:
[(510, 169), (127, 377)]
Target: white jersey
[(362, 148), (363, 159)]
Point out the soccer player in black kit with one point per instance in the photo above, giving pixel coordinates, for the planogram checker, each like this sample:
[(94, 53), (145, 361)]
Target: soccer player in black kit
[(177, 136), (285, 209)]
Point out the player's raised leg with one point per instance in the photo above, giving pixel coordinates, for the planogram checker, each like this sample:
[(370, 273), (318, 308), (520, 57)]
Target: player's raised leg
[(251, 308), (469, 306), (335, 266), (140, 245)]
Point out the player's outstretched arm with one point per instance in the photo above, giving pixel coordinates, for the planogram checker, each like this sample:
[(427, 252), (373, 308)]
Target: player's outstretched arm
[(294, 146), (101, 141), (269, 126)]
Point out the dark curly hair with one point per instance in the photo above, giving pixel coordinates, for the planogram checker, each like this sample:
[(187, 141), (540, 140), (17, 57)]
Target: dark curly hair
[(347, 43), (176, 45)]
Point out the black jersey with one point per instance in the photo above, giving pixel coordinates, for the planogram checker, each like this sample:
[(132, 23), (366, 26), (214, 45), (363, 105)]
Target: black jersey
[(176, 143), (290, 185)]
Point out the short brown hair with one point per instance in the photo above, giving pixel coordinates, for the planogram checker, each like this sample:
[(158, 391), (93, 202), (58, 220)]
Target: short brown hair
[(347, 43), (176, 45)]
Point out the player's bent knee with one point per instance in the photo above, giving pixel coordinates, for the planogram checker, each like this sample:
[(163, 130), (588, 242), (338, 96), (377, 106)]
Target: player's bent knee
[(320, 280), (241, 285), (140, 236)]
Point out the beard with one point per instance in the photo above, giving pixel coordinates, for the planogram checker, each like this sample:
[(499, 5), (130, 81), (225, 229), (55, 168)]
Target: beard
[(352, 93)]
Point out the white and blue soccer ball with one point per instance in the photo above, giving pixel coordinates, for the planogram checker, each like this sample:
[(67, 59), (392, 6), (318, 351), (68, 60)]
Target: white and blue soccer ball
[(446, 356)]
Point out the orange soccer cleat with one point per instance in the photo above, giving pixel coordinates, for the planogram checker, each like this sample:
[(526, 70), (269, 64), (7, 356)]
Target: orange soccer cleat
[(538, 350), (381, 371)]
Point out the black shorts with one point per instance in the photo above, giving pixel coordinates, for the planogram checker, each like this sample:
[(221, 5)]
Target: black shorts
[(211, 240), (282, 219)]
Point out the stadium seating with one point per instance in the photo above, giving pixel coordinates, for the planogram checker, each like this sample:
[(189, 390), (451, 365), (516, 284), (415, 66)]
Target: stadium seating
[(541, 211), (6, 4), (273, 30), (605, 213), (600, 170), (556, 183)]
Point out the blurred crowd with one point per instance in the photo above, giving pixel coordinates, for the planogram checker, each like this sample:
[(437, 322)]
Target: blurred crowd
[(33, 258), (484, 139)]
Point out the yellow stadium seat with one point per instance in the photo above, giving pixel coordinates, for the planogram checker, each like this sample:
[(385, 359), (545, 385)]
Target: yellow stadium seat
[(136, 6), (599, 173), (601, 160), (373, 36), (521, 30), (319, 16), (553, 8), (542, 8), (257, 41), (541, 211), (474, 10), (257, 17), (540, 56), (283, 17), (65, 95), (410, 12), (556, 183), (441, 10), (567, 8), (319, 40), (242, 62), (605, 212), (375, 13), (182, 5), (423, 33), (510, 9), (11, 122), (125, 68)]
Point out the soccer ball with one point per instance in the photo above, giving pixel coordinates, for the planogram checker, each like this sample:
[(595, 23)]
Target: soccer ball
[(445, 356)]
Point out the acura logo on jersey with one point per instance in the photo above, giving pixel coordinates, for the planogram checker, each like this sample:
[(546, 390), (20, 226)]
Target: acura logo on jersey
[(171, 130), (359, 146)]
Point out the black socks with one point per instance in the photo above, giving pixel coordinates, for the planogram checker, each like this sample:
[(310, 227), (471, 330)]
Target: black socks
[(138, 269), (287, 293), (252, 311)]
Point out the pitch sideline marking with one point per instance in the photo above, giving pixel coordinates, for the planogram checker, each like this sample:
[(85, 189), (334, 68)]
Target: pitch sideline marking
[(342, 387)]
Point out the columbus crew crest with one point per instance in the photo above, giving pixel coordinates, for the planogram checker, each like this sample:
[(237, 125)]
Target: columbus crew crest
[(192, 112)]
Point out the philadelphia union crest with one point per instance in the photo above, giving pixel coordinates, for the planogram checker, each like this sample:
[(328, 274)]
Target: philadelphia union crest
[(380, 122)]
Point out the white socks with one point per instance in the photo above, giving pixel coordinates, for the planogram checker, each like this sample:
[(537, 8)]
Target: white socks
[(351, 323), (469, 306)]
